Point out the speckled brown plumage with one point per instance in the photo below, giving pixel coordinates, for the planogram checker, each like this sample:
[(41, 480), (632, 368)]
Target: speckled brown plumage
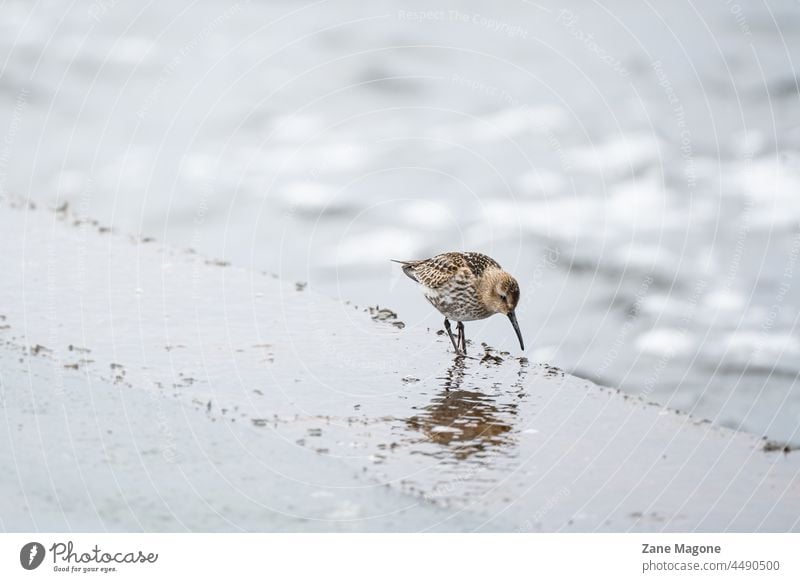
[(465, 287), (439, 270)]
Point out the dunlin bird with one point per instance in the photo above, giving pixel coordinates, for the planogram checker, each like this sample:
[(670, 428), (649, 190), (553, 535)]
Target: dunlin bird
[(466, 287)]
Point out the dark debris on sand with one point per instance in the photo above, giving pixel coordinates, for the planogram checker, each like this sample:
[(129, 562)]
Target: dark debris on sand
[(488, 355), (385, 315), (775, 446)]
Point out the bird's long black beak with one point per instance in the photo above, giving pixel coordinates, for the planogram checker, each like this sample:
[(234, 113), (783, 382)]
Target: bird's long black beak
[(512, 316)]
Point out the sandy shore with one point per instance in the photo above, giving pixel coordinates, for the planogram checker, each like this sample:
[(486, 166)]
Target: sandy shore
[(149, 388)]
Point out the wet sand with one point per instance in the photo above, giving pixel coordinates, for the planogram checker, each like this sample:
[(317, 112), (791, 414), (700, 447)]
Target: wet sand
[(150, 388)]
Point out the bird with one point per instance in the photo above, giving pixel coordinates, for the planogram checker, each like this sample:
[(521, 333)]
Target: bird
[(466, 287)]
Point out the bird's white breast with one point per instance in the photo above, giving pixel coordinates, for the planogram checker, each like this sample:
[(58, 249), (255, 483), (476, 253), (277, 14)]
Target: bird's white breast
[(454, 307)]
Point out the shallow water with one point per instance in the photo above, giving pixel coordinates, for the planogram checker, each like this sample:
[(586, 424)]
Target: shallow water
[(635, 167)]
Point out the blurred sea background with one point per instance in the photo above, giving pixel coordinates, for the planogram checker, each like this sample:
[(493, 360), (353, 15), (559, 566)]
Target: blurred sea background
[(634, 164)]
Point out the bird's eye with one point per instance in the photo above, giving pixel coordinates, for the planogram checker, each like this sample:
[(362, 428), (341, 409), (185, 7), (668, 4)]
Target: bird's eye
[(502, 296)]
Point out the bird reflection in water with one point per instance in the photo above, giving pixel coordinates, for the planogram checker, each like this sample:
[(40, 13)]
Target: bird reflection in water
[(465, 422)]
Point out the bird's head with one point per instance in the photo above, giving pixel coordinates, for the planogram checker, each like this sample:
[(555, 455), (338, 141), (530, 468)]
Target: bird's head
[(500, 294), (503, 294)]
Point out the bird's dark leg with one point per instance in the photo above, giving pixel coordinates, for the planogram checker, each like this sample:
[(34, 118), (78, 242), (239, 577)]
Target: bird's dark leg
[(462, 337), (450, 333)]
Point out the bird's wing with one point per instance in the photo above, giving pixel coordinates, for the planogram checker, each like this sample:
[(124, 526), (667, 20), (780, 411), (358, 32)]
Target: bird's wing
[(408, 268), (436, 271), (478, 263)]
